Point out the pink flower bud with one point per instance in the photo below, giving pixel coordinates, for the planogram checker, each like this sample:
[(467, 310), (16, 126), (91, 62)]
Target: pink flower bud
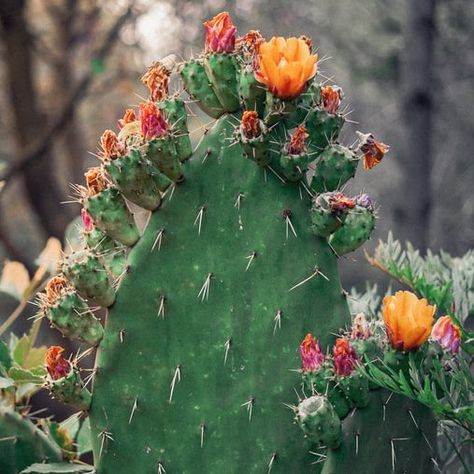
[(56, 365), (220, 34), (87, 221), (311, 354), (345, 357), (360, 327), (446, 334), (152, 122)]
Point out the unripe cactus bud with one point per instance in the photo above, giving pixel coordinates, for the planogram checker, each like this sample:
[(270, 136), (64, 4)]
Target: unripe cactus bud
[(319, 421)]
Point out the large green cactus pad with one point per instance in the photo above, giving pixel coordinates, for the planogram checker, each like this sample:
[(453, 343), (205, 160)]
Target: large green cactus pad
[(207, 426)]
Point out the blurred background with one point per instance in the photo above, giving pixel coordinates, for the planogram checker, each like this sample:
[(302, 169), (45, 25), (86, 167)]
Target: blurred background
[(69, 68)]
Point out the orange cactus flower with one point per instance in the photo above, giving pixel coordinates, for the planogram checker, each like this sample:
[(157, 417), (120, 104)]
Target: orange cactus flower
[(408, 320), (95, 180), (372, 150), (297, 144), (251, 124), (111, 146), (285, 66), (128, 117), (331, 98), (220, 34), (56, 365), (157, 79)]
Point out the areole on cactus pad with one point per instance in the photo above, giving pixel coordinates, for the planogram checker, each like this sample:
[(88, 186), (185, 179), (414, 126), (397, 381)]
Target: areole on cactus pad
[(197, 369)]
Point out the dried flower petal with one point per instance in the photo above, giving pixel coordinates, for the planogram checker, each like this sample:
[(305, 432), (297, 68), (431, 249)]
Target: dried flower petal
[(56, 287), (297, 145), (340, 203), (128, 117), (372, 150), (95, 180), (157, 78), (56, 365), (112, 148), (331, 98), (251, 124), (360, 327)]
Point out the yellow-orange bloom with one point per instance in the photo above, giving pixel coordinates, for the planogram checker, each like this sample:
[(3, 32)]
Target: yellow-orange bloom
[(285, 66), (408, 320)]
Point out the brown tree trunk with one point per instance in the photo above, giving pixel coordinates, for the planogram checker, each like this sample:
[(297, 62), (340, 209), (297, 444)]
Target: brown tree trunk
[(412, 212), (41, 187)]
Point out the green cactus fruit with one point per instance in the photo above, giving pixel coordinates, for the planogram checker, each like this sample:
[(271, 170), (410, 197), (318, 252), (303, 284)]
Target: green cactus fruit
[(306, 102), (176, 116), (366, 348), (323, 128), (356, 388), (325, 220), (357, 228), (334, 167), (137, 179), (221, 69), (252, 93), (112, 253), (293, 167), (319, 421), (398, 431), (22, 443), (89, 276), (111, 215), (197, 84), (71, 315), (162, 153), (323, 382), (70, 389)]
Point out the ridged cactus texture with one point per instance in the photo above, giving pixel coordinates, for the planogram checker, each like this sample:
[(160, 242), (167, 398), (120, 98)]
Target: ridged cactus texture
[(198, 368)]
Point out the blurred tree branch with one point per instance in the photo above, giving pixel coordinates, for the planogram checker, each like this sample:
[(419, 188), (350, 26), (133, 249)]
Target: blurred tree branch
[(38, 148)]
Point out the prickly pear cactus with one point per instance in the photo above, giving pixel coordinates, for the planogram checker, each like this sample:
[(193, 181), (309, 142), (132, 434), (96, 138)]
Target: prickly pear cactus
[(198, 366)]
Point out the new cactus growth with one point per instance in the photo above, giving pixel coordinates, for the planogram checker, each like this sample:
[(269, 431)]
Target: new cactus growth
[(198, 361)]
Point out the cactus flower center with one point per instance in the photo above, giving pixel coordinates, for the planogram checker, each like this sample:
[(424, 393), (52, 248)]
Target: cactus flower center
[(112, 148), (345, 357), (446, 334), (157, 79), (297, 145), (372, 150), (87, 221), (56, 365), (251, 124), (220, 34), (152, 122), (285, 66), (311, 355), (128, 117), (331, 98), (408, 320), (55, 288), (95, 180)]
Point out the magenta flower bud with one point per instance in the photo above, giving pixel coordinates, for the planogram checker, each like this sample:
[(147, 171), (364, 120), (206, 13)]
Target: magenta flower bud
[(152, 122), (220, 34), (87, 221), (345, 357), (311, 355), (446, 334)]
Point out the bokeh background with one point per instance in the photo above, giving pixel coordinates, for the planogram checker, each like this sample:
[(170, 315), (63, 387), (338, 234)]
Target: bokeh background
[(69, 68)]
